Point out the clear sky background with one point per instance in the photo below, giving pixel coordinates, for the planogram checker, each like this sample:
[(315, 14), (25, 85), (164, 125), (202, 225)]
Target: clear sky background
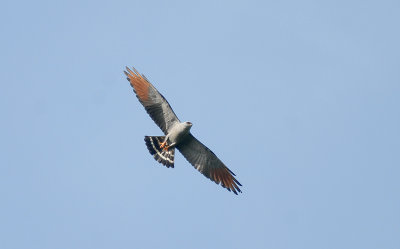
[(301, 99)]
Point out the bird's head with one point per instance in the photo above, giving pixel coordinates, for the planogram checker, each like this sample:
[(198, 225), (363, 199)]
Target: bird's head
[(188, 124)]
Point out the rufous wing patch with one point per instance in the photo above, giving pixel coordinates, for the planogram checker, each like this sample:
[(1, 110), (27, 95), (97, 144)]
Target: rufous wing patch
[(225, 177), (139, 83)]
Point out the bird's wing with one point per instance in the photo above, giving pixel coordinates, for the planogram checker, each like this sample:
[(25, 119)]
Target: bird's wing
[(155, 104), (205, 161)]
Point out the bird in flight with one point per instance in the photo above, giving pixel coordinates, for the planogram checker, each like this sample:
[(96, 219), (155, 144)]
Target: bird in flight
[(177, 135)]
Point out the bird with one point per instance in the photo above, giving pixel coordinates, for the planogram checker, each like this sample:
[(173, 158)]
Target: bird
[(177, 135)]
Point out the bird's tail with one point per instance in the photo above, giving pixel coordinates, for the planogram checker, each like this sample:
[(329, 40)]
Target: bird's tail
[(166, 157)]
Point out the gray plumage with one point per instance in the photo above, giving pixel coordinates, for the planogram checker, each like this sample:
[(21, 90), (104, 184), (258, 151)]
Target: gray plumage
[(177, 135)]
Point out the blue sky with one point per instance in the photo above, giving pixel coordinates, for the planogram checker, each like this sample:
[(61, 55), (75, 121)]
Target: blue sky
[(299, 98)]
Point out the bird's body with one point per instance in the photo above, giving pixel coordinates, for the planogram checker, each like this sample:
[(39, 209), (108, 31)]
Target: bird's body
[(177, 135)]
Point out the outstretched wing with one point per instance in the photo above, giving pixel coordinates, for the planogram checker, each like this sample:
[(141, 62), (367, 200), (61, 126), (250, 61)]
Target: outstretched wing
[(205, 161), (155, 104)]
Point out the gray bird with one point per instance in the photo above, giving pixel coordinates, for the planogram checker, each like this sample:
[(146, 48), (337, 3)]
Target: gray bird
[(177, 135)]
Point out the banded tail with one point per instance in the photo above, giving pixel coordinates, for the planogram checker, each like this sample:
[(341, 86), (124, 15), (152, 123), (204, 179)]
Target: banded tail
[(164, 157)]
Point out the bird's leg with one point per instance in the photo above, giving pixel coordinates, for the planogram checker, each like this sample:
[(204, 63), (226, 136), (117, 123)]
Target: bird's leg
[(166, 147), (163, 144)]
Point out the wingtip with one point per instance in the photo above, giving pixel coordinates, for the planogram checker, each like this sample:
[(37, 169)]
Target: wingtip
[(127, 75), (132, 73), (235, 190)]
